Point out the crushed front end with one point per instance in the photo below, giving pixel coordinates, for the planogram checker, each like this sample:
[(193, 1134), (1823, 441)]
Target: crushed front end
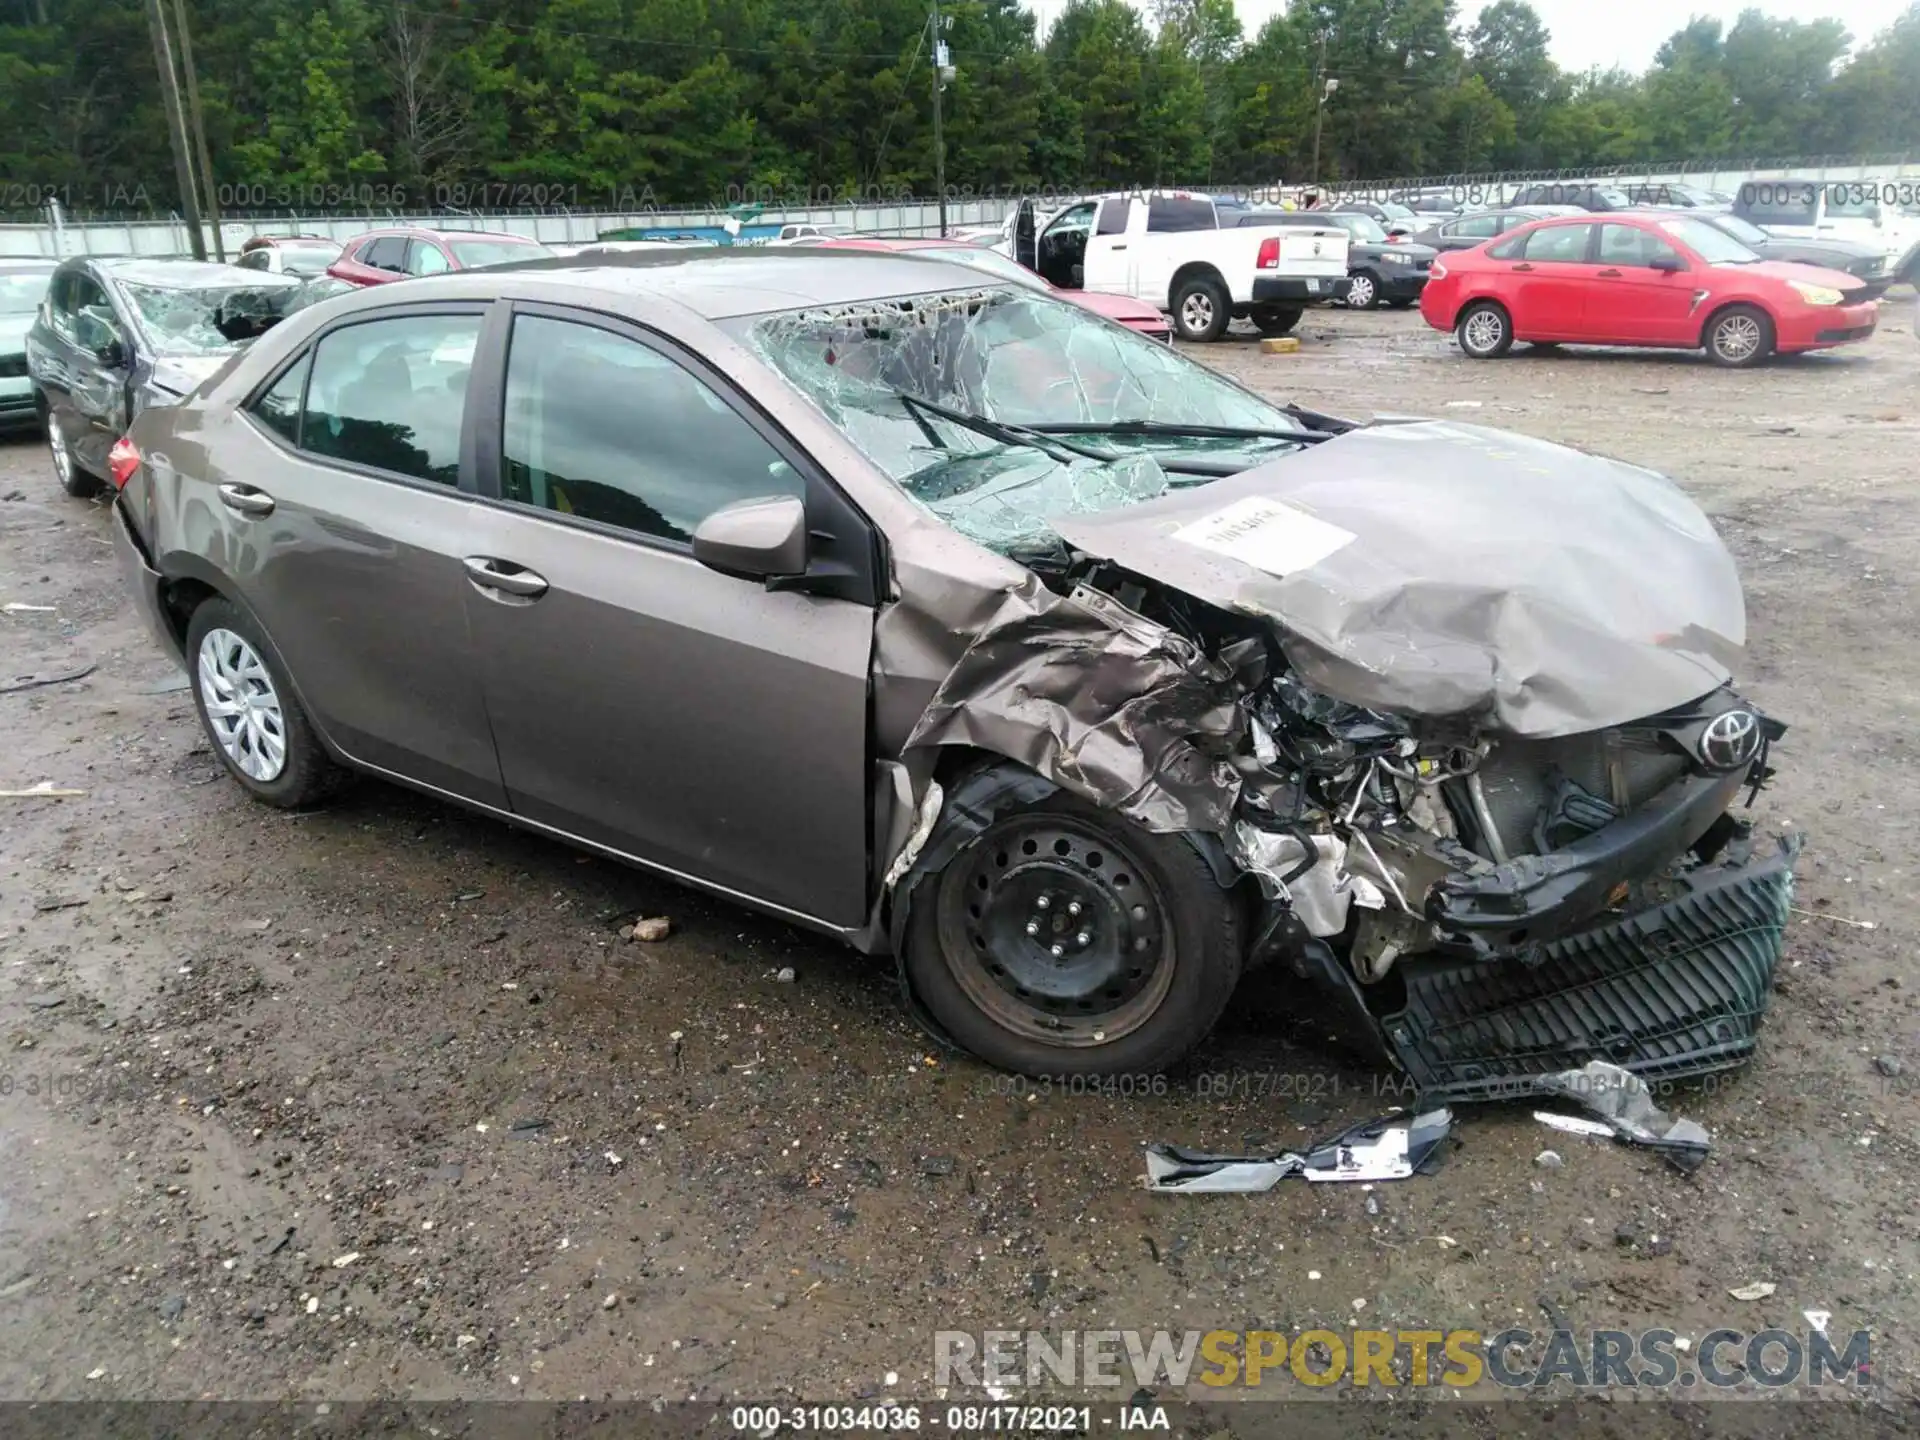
[(1498, 908)]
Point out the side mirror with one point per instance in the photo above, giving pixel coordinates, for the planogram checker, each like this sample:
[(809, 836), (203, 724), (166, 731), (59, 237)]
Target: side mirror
[(1670, 264), (754, 539)]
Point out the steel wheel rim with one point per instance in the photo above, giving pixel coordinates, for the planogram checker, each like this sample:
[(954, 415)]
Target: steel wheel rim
[(1057, 932), (1484, 330), (62, 458), (1737, 337), (242, 707), (1361, 292), (1196, 311)]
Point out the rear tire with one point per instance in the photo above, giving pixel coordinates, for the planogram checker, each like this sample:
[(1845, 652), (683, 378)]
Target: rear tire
[(1277, 321), (1149, 944), (1739, 336), (1484, 330), (74, 478), (250, 713), (1202, 309)]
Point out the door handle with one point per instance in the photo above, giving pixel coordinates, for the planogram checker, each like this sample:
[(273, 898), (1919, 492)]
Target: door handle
[(491, 574), (1119, 247), (1523, 266), (1608, 274), (245, 500)]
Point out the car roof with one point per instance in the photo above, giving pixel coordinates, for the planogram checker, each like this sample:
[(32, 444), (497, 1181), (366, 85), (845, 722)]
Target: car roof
[(726, 282), (426, 233), (180, 274)]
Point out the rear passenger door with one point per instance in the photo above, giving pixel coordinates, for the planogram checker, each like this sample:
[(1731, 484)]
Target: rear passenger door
[(1549, 281), (344, 523), (1172, 221), (713, 726)]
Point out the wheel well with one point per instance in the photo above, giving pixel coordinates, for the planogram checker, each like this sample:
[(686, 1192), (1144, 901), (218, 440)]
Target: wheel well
[(1718, 311), (1194, 270), (178, 600)]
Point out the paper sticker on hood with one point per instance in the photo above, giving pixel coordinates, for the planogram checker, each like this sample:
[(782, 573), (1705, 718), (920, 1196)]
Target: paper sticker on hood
[(1442, 569)]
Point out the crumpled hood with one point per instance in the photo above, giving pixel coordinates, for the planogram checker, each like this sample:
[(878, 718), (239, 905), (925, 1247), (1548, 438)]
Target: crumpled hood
[(1442, 569)]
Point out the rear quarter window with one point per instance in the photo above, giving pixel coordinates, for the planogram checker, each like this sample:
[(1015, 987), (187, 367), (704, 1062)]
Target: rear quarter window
[(1166, 215)]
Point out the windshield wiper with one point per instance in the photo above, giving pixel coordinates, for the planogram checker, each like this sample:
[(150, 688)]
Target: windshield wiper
[(1176, 428), (1061, 450)]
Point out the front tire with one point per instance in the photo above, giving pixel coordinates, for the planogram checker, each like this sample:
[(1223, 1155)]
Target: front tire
[(250, 712), (1484, 330), (1739, 336), (75, 479), (1278, 321), (1364, 293), (1065, 940), (1202, 309)]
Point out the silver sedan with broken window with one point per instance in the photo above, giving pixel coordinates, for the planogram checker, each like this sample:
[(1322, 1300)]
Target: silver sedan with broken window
[(948, 618)]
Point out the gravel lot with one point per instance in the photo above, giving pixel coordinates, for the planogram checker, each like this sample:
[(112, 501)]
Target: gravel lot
[(240, 1046)]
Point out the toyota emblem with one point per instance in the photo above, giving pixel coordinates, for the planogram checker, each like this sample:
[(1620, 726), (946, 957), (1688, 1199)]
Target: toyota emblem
[(1730, 740)]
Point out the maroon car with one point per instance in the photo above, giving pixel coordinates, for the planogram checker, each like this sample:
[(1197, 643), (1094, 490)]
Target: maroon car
[(382, 255)]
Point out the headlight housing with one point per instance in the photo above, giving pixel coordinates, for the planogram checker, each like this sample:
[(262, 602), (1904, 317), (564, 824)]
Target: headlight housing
[(1816, 294), (1394, 257)]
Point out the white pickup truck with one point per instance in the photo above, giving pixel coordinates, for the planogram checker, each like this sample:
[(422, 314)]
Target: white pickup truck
[(1173, 249)]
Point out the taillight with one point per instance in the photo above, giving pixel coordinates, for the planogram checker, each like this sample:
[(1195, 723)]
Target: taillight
[(1269, 257), (1439, 271), (122, 461)]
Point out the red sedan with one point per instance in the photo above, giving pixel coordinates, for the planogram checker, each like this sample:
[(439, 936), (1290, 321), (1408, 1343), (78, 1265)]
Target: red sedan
[(1136, 315), (1627, 279), (382, 255)]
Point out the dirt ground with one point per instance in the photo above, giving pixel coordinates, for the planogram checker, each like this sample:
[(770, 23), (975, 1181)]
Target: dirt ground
[(241, 1046)]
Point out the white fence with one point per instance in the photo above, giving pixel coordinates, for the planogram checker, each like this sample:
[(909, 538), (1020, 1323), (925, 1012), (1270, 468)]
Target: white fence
[(169, 235)]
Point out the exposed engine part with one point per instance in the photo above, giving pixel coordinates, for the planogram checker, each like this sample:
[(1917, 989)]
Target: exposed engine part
[(1384, 936), (1489, 832), (1313, 880)]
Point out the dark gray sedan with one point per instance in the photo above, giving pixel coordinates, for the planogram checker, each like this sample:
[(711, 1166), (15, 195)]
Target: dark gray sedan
[(941, 615), (1849, 257), (119, 335)]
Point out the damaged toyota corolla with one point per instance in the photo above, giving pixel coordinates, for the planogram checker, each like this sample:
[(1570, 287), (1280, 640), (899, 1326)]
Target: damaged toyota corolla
[(951, 619)]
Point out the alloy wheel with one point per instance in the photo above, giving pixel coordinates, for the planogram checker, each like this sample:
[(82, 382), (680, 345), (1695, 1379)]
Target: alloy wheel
[(1484, 331), (1057, 932), (1196, 312), (243, 709), (62, 456), (1737, 337)]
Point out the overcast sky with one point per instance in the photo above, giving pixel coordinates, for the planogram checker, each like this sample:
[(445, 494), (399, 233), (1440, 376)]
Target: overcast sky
[(1608, 32)]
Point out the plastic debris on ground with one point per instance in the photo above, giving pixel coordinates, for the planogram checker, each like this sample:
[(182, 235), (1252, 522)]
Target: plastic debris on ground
[(1620, 1101), (1392, 1147)]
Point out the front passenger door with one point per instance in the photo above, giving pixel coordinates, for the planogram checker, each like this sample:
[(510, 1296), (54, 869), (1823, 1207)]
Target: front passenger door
[(710, 725)]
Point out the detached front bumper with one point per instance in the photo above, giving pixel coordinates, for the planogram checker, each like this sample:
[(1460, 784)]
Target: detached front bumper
[(1673, 991), (1291, 290)]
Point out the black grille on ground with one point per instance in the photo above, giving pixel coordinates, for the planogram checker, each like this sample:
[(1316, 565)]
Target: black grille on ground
[(1674, 991)]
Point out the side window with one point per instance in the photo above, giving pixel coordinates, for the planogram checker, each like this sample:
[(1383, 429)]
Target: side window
[(1478, 227), (253, 260), (390, 394), (1075, 218), (602, 427), (1566, 244), (1508, 249), (424, 258), (1783, 203), (60, 304), (389, 252), (1166, 215), (1627, 245), (1113, 217), (279, 408)]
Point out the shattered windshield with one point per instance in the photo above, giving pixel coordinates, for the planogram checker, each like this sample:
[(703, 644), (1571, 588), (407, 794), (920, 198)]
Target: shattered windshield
[(1006, 358), (207, 320)]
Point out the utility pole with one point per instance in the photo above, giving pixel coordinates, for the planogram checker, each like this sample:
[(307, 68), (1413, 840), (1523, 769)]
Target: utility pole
[(941, 70), (1320, 93), (176, 127), (209, 200)]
